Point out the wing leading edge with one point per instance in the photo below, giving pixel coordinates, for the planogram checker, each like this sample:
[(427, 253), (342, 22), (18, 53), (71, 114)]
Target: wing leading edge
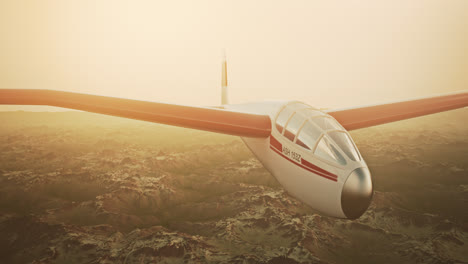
[(366, 116), (208, 119)]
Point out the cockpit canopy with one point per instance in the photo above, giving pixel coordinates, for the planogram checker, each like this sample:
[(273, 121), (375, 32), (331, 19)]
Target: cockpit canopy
[(317, 132)]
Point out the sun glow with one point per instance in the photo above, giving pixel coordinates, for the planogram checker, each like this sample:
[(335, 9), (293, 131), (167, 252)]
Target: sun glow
[(328, 54)]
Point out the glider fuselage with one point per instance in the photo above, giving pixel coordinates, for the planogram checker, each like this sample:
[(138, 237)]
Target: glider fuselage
[(303, 154)]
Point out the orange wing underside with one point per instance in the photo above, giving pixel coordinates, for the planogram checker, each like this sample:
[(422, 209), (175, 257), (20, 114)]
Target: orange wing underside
[(362, 117), (208, 119), (223, 121)]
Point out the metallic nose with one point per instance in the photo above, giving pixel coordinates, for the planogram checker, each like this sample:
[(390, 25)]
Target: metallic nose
[(357, 193)]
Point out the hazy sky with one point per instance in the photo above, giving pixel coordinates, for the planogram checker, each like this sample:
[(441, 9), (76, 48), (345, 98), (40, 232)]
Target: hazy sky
[(326, 53)]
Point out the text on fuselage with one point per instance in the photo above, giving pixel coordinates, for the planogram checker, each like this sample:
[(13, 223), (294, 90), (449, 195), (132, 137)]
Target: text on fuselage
[(291, 154)]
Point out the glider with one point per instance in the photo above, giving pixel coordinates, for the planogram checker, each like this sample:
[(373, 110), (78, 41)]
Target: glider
[(309, 151)]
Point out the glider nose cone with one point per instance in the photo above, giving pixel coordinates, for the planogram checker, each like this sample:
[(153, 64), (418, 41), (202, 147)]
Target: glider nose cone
[(357, 193)]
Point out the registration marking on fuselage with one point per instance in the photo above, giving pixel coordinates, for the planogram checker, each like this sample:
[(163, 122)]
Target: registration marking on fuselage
[(297, 159)]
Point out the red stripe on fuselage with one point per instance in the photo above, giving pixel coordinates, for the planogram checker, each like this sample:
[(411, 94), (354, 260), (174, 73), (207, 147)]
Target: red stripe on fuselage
[(315, 167), (304, 167), (305, 164), (275, 143)]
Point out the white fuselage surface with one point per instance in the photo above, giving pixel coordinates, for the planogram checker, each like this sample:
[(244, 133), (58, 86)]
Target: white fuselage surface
[(312, 157)]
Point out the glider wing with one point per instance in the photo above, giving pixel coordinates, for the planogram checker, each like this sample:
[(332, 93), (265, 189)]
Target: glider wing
[(366, 116), (202, 118)]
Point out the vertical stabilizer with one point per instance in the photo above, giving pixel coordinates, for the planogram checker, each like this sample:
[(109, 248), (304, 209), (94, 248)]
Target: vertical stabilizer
[(224, 81)]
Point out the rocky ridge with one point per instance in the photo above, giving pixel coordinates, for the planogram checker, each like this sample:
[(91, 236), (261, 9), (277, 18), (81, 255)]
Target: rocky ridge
[(131, 192)]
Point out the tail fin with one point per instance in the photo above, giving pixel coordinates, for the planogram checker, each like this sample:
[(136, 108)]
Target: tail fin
[(224, 81)]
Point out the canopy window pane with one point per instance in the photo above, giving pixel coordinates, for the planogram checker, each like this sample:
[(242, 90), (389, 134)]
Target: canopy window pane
[(283, 118), (293, 126), (279, 128), (284, 115), (310, 112), (327, 151), (344, 142), (308, 135), (326, 123)]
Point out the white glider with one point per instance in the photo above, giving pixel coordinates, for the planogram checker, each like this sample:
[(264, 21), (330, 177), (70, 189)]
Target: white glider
[(309, 151)]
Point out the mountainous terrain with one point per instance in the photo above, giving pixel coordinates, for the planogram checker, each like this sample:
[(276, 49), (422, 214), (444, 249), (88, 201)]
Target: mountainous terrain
[(84, 188)]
